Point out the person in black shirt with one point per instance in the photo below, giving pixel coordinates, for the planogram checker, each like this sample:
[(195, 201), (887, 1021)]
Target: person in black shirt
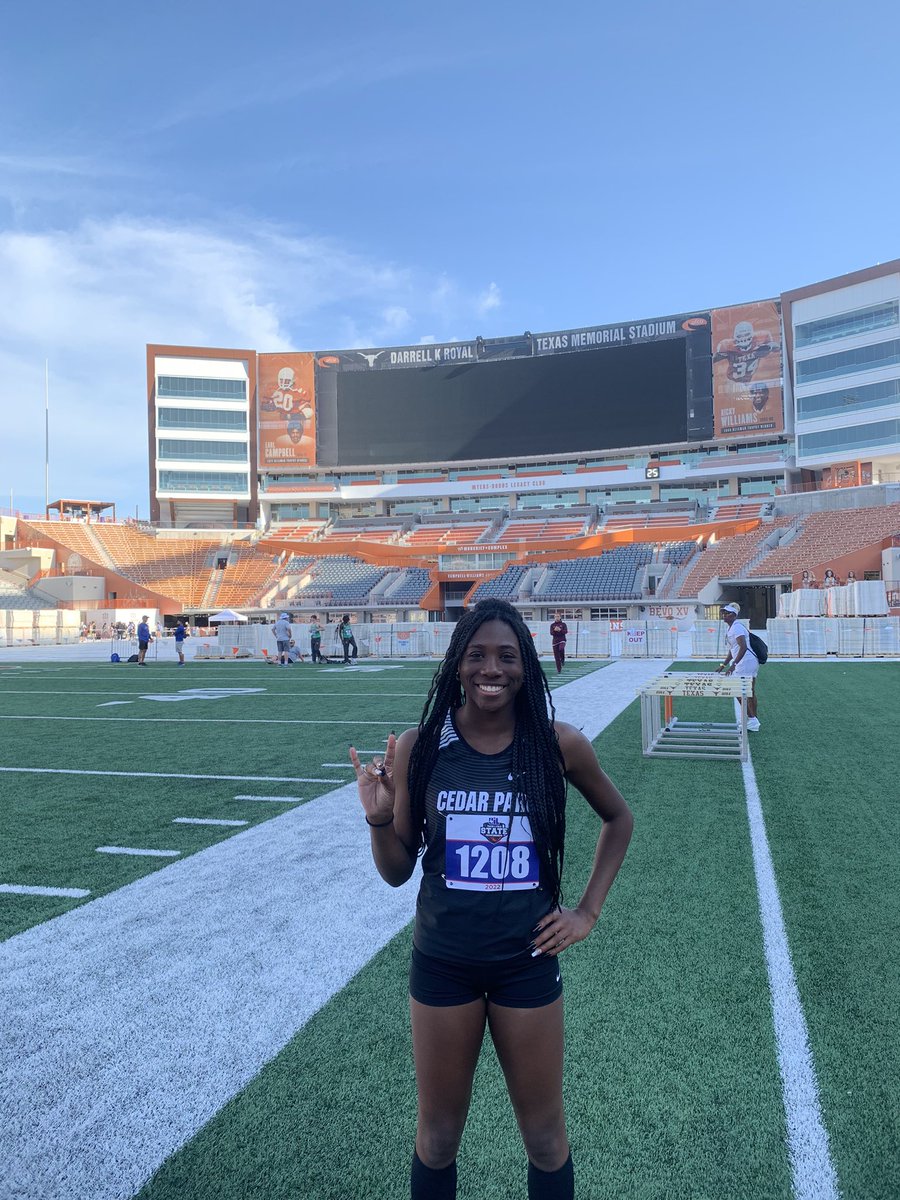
[(559, 631), (348, 641), (479, 790)]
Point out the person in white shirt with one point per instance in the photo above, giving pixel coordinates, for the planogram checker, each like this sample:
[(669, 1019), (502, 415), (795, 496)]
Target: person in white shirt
[(741, 660)]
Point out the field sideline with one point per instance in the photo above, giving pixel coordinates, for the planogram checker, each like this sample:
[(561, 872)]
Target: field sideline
[(268, 951)]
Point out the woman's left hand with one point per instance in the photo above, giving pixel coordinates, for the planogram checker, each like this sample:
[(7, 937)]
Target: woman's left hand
[(561, 929)]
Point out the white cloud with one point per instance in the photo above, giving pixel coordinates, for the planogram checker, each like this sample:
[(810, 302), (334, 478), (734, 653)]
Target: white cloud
[(489, 299), (90, 298)]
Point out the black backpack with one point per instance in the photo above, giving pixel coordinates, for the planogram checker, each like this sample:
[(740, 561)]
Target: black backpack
[(759, 648)]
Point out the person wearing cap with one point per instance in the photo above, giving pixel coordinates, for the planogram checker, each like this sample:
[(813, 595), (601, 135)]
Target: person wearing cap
[(144, 639), (741, 660), (282, 632)]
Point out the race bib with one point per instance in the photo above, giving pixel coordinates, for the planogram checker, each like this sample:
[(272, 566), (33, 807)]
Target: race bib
[(485, 855)]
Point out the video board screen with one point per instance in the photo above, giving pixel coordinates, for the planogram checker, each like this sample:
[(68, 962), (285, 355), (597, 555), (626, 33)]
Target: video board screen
[(553, 403)]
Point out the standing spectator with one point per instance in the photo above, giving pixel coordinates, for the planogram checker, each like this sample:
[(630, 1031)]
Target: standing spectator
[(282, 632), (180, 634), (348, 641), (315, 639), (741, 660), (144, 639), (830, 580), (131, 628), (851, 577), (559, 631)]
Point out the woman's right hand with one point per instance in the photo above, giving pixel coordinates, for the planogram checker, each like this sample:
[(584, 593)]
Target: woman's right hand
[(375, 781)]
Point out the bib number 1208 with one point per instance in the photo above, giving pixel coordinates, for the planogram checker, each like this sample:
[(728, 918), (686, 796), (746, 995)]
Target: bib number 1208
[(484, 855)]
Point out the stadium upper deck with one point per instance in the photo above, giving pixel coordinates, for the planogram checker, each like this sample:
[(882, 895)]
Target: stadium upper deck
[(754, 400)]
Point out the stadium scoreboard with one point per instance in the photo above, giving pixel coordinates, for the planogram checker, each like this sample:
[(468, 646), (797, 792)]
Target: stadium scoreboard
[(567, 392)]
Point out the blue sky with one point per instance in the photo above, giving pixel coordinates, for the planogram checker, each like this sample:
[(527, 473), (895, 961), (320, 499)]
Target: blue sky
[(294, 176)]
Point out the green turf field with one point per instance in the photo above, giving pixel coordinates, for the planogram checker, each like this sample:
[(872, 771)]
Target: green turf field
[(672, 1079)]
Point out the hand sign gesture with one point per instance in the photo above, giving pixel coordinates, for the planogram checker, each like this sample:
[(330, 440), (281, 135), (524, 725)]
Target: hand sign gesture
[(376, 784)]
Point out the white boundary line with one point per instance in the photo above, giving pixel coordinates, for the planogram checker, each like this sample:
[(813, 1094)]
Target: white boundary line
[(813, 1171)]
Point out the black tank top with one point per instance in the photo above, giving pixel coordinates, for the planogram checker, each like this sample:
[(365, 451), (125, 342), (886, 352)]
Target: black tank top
[(482, 893)]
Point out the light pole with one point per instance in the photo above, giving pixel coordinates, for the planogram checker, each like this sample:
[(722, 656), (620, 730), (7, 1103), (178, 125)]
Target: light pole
[(46, 435)]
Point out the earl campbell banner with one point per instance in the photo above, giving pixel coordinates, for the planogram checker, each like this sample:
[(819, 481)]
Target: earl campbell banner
[(528, 345)]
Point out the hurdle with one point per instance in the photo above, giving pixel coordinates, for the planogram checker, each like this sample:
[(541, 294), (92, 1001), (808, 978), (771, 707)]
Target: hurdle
[(664, 735)]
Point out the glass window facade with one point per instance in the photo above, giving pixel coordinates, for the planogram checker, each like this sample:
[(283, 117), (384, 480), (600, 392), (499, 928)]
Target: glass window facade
[(487, 561), (830, 404), (854, 437), (289, 512), (175, 448), (471, 504), (759, 487), (690, 492), (201, 418), (632, 495), (547, 499), (405, 508), (201, 389), (849, 324), (203, 481), (849, 362)]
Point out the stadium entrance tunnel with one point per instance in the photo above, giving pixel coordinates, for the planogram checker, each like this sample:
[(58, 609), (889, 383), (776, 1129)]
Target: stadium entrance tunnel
[(758, 601)]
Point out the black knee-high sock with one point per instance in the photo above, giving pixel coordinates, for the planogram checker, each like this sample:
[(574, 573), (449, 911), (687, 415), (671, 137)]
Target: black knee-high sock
[(552, 1185), (427, 1184)]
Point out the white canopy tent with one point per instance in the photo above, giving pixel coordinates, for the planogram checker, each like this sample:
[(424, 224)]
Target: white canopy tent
[(227, 617)]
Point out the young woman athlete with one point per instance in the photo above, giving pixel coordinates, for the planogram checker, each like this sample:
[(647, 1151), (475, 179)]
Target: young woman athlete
[(479, 790)]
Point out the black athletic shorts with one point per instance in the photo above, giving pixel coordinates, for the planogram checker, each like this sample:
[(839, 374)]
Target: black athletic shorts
[(521, 982)]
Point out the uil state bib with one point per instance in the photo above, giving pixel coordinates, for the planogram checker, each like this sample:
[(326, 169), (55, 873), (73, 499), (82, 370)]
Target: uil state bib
[(490, 853)]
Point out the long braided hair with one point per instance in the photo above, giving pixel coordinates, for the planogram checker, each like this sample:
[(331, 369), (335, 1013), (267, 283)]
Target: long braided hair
[(537, 763)]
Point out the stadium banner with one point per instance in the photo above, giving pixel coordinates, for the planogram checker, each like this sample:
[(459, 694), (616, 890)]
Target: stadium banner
[(527, 345), (748, 380), (630, 334), (286, 410)]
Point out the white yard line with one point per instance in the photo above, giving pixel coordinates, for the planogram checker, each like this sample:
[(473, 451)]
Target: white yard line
[(274, 799), (812, 1168), (375, 694), (401, 721), (206, 821), (138, 853), (164, 775), (172, 992), (23, 889)]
